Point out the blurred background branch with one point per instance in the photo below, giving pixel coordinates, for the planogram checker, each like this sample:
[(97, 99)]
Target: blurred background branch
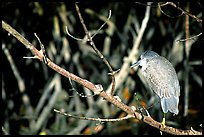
[(22, 106)]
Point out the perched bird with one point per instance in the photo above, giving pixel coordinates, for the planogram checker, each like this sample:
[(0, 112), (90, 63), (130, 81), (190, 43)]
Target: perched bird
[(162, 79)]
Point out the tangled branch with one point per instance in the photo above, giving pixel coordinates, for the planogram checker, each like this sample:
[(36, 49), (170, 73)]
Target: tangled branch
[(97, 89)]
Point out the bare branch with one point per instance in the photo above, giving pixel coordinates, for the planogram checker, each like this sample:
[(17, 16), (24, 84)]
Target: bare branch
[(95, 119), (78, 39), (97, 51), (159, 5), (42, 49), (123, 72), (109, 16), (72, 36), (96, 88), (182, 10), (80, 94), (190, 38), (51, 64)]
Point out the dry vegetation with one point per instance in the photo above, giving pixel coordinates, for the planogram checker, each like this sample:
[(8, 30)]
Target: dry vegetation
[(31, 90)]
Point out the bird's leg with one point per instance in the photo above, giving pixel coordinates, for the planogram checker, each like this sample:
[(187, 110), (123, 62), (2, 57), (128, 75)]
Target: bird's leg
[(163, 121)]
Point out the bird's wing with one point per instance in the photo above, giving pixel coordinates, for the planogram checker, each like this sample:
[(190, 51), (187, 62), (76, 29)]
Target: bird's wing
[(160, 78)]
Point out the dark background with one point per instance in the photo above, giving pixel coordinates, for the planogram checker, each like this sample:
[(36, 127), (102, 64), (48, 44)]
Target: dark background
[(78, 58)]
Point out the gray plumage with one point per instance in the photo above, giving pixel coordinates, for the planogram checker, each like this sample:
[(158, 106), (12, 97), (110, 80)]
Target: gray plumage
[(161, 78)]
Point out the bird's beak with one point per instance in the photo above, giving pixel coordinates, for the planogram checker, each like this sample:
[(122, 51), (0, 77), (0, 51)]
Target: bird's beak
[(135, 64)]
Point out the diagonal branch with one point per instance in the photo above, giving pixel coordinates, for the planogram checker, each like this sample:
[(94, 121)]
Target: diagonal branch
[(39, 55), (182, 10), (94, 119), (96, 50), (97, 89)]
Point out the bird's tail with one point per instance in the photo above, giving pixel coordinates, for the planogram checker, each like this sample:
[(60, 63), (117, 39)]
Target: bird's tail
[(170, 104)]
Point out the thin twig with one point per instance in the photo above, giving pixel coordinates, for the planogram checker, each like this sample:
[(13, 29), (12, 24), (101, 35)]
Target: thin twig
[(80, 94), (95, 119), (190, 38), (123, 71), (42, 49), (96, 50), (78, 39), (146, 4), (109, 16), (183, 11), (96, 88), (159, 5)]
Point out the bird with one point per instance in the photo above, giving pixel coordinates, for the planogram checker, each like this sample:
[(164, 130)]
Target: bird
[(161, 78)]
